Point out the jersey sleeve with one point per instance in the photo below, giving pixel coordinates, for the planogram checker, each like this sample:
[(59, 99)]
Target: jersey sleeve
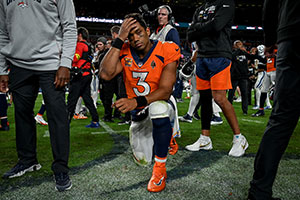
[(172, 52)]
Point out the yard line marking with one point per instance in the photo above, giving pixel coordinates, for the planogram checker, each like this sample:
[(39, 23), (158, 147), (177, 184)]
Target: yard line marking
[(103, 132), (255, 121)]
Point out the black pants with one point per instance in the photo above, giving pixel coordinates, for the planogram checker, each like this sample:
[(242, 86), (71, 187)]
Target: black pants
[(243, 84), (81, 86), (107, 91), (24, 85), (282, 122)]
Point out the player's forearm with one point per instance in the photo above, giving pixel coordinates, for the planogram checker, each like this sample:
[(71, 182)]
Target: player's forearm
[(159, 94), (109, 64)]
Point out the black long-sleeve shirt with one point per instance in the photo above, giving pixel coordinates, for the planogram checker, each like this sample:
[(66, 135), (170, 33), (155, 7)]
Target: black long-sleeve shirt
[(211, 28)]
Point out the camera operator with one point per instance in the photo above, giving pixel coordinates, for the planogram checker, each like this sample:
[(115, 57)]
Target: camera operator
[(167, 32)]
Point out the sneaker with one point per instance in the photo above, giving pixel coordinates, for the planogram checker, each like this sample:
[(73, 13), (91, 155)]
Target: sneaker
[(79, 116), (62, 181), (40, 120), (186, 118), (216, 120), (239, 99), (255, 107), (93, 125), (20, 169), (173, 147), (124, 122), (204, 142), (196, 116), (259, 113), (239, 146), (158, 180), (268, 107)]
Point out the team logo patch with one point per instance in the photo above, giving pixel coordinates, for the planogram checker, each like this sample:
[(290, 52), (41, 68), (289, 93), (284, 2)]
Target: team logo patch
[(23, 4), (153, 64), (128, 62)]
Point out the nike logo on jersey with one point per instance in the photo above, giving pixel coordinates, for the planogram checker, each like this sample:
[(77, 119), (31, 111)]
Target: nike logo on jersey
[(159, 182), (177, 49)]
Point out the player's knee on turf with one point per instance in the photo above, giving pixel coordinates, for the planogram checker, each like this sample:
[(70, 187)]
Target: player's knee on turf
[(141, 141)]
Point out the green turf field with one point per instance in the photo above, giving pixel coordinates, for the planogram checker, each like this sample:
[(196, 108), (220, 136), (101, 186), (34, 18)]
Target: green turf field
[(102, 167)]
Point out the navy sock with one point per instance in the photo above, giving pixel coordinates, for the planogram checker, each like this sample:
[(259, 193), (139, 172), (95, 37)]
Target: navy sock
[(42, 109), (162, 132)]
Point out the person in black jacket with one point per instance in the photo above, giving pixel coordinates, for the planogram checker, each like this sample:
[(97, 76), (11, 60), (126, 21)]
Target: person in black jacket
[(286, 108), (211, 29), (240, 73)]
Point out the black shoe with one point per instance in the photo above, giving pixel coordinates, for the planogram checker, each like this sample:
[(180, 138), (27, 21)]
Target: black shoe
[(20, 169), (107, 119), (186, 118), (259, 113), (250, 197), (124, 122), (196, 116), (62, 181)]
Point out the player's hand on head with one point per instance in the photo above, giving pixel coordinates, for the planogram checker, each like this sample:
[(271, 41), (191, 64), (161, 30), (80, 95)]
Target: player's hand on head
[(127, 25)]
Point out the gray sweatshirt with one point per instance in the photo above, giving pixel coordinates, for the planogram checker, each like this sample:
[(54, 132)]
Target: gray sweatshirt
[(38, 35)]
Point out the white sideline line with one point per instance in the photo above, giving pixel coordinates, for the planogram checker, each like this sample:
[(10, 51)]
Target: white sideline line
[(106, 127), (255, 121)]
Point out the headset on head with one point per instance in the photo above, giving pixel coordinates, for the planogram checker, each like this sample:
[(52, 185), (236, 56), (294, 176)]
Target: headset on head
[(170, 13)]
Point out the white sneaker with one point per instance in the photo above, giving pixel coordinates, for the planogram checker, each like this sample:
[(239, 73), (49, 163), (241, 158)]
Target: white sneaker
[(203, 142), (40, 120), (239, 146)]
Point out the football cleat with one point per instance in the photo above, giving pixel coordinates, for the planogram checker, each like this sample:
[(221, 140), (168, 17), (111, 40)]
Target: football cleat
[(204, 142), (20, 169), (79, 116), (93, 125), (62, 181), (158, 180), (40, 120), (196, 116), (173, 147), (216, 120), (186, 118), (239, 146), (259, 113)]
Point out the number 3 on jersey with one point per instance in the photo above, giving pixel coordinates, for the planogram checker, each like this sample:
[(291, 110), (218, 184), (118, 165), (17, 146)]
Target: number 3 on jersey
[(141, 82)]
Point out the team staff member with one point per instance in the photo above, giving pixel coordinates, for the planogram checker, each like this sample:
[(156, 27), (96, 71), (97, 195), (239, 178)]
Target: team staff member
[(167, 32), (286, 108), (211, 29), (149, 69), (38, 40), (80, 84)]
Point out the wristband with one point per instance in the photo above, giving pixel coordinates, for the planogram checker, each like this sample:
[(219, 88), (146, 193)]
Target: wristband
[(118, 43), (141, 101)]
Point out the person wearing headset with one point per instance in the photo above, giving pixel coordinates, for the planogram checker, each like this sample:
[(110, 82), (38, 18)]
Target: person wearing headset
[(167, 32)]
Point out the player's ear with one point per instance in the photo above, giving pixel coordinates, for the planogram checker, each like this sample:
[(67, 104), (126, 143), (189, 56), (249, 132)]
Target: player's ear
[(148, 31)]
